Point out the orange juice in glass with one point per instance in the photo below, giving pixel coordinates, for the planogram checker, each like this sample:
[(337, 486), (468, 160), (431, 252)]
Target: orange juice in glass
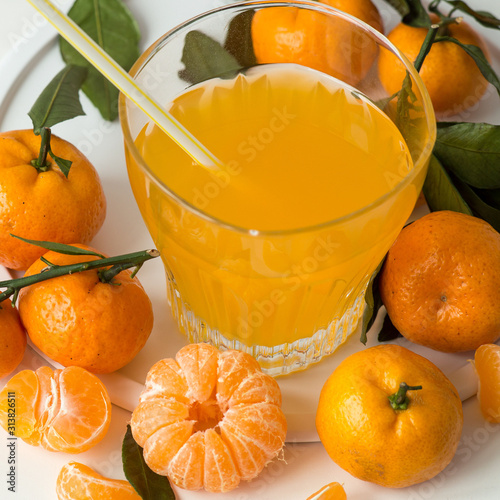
[(272, 252)]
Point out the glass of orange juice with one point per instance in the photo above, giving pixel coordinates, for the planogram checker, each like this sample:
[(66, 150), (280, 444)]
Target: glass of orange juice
[(271, 252)]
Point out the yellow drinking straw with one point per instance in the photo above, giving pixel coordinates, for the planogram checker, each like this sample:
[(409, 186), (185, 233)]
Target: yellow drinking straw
[(124, 82)]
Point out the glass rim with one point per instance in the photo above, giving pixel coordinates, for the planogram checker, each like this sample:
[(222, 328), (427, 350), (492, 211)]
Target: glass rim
[(422, 159)]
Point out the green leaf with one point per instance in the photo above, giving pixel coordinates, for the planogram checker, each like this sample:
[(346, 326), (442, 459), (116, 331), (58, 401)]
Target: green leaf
[(412, 12), (440, 192), (59, 100), (59, 247), (239, 39), (148, 484), (205, 58), (489, 196), (112, 26), (471, 151), (480, 208), (485, 18), (388, 331), (373, 303), (479, 58), (64, 165)]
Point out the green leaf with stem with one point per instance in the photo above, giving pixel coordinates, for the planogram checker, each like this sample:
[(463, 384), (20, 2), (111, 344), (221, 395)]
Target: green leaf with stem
[(388, 331), (112, 26), (480, 208), (479, 58), (440, 192), (148, 484), (59, 101), (59, 247), (412, 12), (205, 58), (486, 19), (373, 302), (132, 260), (239, 39), (471, 151)]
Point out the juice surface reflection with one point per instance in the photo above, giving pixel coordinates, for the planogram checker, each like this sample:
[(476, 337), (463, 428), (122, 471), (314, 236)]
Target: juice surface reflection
[(301, 149)]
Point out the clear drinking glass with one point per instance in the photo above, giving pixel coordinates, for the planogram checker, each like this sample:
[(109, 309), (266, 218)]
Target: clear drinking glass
[(287, 295)]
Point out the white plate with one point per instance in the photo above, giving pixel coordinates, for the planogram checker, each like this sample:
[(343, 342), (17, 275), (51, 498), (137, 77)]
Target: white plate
[(25, 72)]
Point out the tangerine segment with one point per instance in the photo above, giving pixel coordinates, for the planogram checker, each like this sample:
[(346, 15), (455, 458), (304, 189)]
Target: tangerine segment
[(253, 434), (17, 404), (63, 410), (79, 482), (487, 364), (165, 379), (332, 491), (209, 419), (198, 363)]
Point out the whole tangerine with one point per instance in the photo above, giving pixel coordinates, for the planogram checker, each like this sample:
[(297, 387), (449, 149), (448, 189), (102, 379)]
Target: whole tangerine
[(451, 76), (389, 416), (45, 205), (440, 282), (79, 320), (12, 338), (330, 45), (209, 419)]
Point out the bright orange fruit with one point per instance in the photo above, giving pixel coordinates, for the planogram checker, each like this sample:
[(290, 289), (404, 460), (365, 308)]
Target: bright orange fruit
[(487, 364), (440, 282), (394, 446), (332, 491), (79, 482), (451, 76), (62, 410), (13, 338), (78, 320), (208, 419), (45, 205), (292, 35)]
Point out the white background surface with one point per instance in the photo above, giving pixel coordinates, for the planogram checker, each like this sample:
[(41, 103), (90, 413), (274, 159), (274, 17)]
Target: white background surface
[(29, 59)]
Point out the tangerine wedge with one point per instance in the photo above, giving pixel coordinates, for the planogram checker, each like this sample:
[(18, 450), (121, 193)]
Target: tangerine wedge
[(332, 491), (79, 482), (487, 364), (61, 410), (209, 419)]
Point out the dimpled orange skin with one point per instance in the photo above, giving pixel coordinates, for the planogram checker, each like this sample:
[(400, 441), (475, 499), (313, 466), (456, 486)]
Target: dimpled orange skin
[(78, 320), (45, 205), (365, 436), (451, 76), (291, 35), (12, 339), (440, 282)]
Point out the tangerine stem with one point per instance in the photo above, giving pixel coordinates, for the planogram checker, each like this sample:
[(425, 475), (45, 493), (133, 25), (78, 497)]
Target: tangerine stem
[(120, 262), (399, 400), (41, 162)]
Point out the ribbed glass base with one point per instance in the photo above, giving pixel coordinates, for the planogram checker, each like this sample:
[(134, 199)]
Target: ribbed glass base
[(277, 360)]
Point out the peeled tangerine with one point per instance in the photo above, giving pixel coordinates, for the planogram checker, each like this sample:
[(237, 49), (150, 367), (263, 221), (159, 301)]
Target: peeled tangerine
[(61, 410), (208, 419), (79, 482)]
